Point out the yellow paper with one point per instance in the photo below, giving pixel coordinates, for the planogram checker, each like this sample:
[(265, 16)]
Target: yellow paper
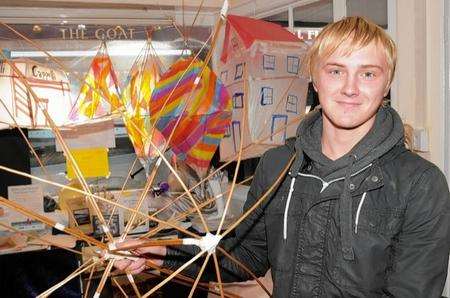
[(93, 162)]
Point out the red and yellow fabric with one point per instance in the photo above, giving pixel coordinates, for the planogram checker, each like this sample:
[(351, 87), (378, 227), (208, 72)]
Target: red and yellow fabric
[(99, 95)]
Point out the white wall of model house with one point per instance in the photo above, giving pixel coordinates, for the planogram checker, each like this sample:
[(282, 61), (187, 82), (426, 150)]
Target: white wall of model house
[(268, 90)]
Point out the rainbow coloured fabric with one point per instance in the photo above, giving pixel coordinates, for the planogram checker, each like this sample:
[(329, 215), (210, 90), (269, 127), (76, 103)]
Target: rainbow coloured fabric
[(100, 85), (204, 111), (143, 76)]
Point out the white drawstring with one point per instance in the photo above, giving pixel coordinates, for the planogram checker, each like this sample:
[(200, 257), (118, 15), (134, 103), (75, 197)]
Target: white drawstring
[(324, 186), (361, 202), (286, 209)]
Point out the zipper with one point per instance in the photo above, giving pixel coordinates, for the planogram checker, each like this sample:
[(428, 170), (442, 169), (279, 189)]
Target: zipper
[(325, 184)]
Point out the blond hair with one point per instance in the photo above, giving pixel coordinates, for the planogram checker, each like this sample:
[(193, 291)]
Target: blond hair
[(356, 33)]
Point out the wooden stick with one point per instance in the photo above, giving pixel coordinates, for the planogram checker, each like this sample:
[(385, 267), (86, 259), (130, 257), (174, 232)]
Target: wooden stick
[(241, 145), (86, 291), (40, 238), (104, 278), (187, 281), (171, 276), (119, 286), (139, 203), (133, 285), (219, 276), (149, 243), (74, 274), (128, 176), (199, 275), (261, 199), (245, 268), (195, 19)]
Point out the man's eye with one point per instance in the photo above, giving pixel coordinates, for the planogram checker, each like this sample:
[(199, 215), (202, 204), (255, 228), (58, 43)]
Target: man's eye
[(335, 72), (368, 75)]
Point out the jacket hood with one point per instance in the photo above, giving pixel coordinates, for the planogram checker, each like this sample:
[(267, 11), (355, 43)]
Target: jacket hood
[(386, 133)]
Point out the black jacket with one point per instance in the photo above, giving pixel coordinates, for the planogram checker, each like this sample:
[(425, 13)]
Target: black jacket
[(374, 223)]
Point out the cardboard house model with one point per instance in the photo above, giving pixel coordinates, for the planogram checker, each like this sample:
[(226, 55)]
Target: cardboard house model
[(261, 67), (51, 86)]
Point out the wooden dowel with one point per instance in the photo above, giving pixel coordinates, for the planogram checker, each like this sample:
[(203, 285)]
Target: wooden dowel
[(245, 268), (219, 276), (261, 199), (148, 243), (199, 276)]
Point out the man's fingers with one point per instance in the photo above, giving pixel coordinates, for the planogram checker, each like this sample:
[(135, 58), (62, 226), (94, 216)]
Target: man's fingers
[(122, 264), (135, 265), (138, 270), (155, 250)]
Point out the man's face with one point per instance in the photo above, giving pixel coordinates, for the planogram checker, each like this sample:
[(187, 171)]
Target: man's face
[(351, 88)]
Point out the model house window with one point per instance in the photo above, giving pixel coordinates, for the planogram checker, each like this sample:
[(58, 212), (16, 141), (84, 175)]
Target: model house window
[(291, 104), (266, 96), (238, 100), (239, 71), (278, 128), (227, 133), (269, 62), (292, 64), (235, 44), (236, 129), (224, 76)]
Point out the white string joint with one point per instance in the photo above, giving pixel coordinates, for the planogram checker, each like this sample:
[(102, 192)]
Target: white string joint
[(112, 246), (105, 229), (158, 162), (196, 81), (224, 10), (59, 226), (207, 243), (111, 256)]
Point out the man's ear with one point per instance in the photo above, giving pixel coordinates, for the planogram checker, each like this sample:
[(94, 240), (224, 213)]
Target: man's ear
[(386, 90), (314, 85)]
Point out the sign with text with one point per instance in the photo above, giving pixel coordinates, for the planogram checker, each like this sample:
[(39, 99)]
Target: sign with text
[(30, 196)]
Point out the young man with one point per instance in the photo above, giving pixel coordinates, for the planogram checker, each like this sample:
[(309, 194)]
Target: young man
[(358, 215)]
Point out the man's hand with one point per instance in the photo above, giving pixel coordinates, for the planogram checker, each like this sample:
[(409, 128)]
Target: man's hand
[(155, 254)]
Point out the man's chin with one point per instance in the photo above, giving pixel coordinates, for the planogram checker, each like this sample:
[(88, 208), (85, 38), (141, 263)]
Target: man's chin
[(348, 124)]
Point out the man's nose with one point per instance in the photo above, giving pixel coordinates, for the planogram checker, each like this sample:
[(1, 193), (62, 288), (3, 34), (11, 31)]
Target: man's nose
[(350, 87)]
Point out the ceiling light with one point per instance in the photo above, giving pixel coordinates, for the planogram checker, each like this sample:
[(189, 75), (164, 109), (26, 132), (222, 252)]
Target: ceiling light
[(37, 29)]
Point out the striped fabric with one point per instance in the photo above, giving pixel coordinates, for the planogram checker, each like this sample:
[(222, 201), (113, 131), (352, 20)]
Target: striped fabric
[(204, 111)]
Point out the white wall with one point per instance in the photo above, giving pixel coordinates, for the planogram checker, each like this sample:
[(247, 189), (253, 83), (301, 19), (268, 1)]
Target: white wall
[(419, 88), (419, 84)]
